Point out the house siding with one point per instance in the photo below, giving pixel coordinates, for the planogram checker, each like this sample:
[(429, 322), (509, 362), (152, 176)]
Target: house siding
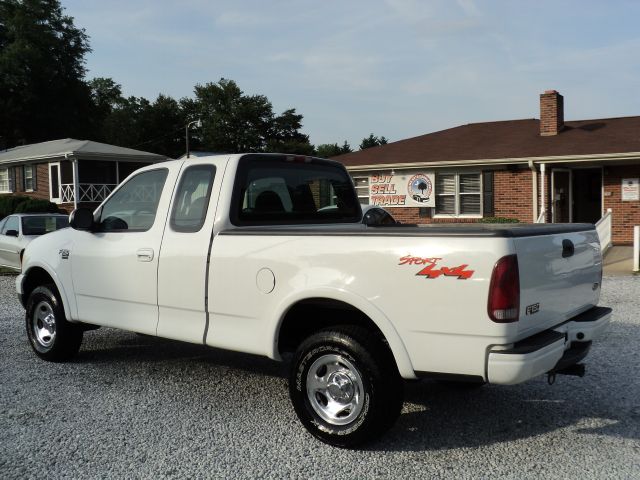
[(513, 195), (41, 188), (624, 214), (42, 180), (512, 199)]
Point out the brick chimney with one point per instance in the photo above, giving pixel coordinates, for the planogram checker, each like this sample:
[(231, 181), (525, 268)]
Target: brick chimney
[(551, 113)]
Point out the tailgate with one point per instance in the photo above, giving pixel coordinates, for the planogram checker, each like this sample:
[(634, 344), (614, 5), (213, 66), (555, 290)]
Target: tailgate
[(560, 277)]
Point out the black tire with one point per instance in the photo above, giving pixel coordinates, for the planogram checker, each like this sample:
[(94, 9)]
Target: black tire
[(361, 378), (51, 336)]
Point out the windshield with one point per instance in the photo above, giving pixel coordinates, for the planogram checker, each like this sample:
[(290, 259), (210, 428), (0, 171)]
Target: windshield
[(39, 225)]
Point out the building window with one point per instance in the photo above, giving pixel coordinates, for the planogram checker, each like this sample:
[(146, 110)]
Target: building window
[(362, 189), (459, 194), (27, 176), (6, 184)]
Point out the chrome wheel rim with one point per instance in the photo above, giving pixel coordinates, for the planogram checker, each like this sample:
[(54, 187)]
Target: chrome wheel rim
[(43, 324), (335, 389)]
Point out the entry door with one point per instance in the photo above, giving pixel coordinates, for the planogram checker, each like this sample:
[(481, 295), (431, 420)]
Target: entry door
[(115, 269), (182, 272), (562, 196), (587, 195)]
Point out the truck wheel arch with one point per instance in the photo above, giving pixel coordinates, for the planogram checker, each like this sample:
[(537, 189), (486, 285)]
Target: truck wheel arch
[(288, 330), (39, 275)]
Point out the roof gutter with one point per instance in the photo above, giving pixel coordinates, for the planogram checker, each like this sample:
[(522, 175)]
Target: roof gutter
[(605, 157), (87, 156)]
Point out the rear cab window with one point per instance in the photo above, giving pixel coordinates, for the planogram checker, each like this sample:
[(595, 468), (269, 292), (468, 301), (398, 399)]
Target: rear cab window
[(292, 190)]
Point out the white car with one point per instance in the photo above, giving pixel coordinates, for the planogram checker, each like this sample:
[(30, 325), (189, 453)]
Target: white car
[(17, 230)]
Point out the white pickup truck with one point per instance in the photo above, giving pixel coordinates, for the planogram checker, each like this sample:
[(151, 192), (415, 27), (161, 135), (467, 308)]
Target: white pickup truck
[(266, 254)]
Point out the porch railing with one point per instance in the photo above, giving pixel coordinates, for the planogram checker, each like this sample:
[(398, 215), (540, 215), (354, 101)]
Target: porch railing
[(603, 227), (88, 192)]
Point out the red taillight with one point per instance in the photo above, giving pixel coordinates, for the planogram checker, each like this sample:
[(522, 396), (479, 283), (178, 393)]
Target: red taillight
[(504, 291)]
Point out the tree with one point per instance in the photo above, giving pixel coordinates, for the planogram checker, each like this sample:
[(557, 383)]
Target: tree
[(106, 95), (284, 136), (328, 150), (372, 141), (157, 127), (122, 125), (231, 121), (42, 90), (234, 122)]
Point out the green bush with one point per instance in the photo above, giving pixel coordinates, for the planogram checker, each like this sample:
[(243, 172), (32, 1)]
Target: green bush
[(16, 204), (498, 220)]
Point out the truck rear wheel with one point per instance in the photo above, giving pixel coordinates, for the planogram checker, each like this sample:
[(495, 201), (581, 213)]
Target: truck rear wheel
[(345, 386), (51, 336)]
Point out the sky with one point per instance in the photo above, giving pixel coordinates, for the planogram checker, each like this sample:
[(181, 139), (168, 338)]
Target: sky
[(397, 68)]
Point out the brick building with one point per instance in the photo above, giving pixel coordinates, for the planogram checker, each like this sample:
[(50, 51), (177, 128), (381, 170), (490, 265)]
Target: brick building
[(545, 170), (69, 172)]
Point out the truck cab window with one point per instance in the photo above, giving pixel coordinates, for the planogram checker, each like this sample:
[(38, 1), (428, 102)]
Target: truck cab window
[(281, 191), (133, 206), (192, 198)]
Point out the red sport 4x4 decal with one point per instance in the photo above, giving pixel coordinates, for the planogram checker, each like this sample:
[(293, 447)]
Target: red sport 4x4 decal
[(432, 269)]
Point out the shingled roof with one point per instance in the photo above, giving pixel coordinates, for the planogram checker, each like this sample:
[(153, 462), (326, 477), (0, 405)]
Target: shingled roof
[(85, 149), (510, 139)]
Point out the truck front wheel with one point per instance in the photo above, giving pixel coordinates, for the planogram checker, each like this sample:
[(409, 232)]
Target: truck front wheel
[(51, 336), (345, 386)]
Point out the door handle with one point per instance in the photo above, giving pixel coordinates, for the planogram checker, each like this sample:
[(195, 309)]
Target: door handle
[(145, 254)]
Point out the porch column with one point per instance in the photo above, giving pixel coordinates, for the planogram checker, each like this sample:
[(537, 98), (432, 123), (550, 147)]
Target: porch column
[(534, 190), (76, 186), (543, 193)]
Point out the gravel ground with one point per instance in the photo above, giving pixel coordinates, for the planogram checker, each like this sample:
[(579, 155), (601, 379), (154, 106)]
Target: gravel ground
[(141, 407)]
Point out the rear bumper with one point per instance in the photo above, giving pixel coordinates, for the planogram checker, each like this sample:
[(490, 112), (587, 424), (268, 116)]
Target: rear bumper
[(554, 348)]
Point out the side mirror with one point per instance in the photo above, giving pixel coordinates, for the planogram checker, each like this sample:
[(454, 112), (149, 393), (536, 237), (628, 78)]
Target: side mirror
[(81, 219), (369, 219), (11, 233)]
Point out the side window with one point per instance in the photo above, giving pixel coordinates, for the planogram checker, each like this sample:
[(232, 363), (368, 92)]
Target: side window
[(192, 198), (2, 222), (133, 207), (11, 224)]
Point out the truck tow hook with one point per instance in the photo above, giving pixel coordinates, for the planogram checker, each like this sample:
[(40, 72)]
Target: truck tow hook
[(576, 370)]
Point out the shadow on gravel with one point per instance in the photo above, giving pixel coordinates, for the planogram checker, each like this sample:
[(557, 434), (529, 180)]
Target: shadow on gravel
[(436, 416), (129, 348), (455, 418)]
